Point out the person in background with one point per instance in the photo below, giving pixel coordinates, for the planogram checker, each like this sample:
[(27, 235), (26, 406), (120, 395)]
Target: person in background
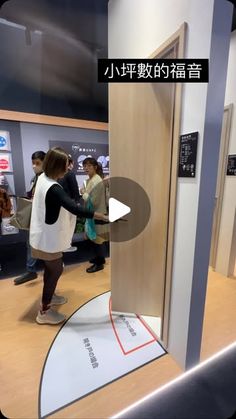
[(52, 225), (69, 182), (94, 196), (31, 273), (70, 186)]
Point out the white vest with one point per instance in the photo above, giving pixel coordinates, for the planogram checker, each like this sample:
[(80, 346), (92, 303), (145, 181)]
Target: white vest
[(49, 238)]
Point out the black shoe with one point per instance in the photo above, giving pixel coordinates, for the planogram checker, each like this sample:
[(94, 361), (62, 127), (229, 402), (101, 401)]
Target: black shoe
[(28, 276), (94, 268)]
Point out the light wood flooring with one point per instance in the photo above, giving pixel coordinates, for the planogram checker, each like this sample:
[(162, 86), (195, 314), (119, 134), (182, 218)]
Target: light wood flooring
[(24, 344)]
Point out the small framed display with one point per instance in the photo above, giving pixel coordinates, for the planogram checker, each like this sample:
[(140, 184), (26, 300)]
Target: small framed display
[(7, 182), (5, 162), (231, 166), (5, 144), (79, 151), (188, 155)]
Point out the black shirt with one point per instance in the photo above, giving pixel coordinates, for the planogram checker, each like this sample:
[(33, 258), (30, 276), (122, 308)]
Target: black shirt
[(70, 185), (56, 198), (33, 183)]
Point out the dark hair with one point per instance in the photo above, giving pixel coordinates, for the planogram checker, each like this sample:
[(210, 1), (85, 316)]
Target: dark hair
[(90, 160), (100, 170), (38, 155), (55, 162), (95, 164)]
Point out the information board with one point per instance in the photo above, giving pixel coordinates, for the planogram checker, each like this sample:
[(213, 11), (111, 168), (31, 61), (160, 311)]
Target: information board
[(188, 155), (231, 166)]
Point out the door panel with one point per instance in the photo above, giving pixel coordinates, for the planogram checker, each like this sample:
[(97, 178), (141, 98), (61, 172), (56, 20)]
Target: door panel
[(141, 120)]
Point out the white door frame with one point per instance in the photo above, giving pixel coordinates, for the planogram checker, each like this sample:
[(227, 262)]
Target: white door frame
[(222, 167)]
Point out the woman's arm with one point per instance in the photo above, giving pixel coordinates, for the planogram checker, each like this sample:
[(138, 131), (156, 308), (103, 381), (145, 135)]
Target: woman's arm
[(56, 198)]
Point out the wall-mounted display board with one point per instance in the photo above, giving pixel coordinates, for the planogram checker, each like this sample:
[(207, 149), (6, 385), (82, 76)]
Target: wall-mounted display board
[(7, 184), (231, 166), (188, 155), (5, 141), (79, 150)]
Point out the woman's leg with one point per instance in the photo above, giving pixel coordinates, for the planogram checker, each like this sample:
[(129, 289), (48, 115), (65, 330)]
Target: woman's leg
[(99, 250), (99, 259), (31, 272), (52, 272), (30, 262)]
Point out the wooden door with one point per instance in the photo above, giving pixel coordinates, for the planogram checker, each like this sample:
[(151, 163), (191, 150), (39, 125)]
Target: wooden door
[(143, 138), (141, 117)]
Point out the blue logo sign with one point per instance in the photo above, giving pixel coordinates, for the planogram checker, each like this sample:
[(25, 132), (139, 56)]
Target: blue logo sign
[(3, 141)]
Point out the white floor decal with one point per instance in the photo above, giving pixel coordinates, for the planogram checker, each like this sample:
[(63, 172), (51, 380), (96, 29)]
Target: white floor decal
[(92, 349)]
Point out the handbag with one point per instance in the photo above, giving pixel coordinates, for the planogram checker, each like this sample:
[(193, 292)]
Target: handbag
[(89, 226), (22, 216), (5, 204)]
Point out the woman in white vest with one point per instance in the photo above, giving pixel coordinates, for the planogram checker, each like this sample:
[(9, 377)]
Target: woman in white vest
[(52, 225)]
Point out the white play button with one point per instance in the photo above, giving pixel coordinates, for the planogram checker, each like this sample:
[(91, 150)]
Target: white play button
[(128, 202), (117, 209)]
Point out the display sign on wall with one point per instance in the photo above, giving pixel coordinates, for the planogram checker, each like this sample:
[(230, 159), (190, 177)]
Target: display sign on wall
[(79, 151), (3, 181), (7, 183), (5, 141), (231, 166), (5, 162), (188, 155)]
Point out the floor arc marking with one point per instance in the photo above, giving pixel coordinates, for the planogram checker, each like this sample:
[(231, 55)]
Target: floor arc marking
[(85, 355)]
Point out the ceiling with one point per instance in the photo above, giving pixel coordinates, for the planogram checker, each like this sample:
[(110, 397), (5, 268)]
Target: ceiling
[(72, 35), (16, 10), (74, 16)]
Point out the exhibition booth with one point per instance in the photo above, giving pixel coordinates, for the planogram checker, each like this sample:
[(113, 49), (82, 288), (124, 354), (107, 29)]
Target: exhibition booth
[(155, 303)]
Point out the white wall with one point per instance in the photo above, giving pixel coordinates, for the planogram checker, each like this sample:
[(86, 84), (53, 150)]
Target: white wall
[(136, 29), (229, 199)]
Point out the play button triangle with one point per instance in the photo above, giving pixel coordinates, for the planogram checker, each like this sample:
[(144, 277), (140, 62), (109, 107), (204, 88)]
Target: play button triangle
[(117, 209)]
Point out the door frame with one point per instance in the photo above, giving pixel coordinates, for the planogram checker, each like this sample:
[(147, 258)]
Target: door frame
[(175, 42), (221, 175)]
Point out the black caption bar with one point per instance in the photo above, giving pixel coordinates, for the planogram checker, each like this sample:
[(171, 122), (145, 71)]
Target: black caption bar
[(153, 70)]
